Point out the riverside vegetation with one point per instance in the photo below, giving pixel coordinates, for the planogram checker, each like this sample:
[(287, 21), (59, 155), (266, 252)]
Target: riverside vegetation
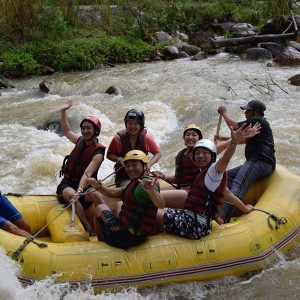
[(55, 33)]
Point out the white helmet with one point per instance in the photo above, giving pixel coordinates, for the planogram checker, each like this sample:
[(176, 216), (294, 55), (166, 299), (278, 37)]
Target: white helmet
[(207, 144)]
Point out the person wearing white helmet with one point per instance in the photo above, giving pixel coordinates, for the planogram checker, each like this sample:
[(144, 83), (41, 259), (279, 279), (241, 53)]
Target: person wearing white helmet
[(84, 161), (259, 152), (141, 200), (204, 199), (186, 169)]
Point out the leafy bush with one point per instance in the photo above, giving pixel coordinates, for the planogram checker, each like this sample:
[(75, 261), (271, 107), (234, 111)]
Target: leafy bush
[(19, 64)]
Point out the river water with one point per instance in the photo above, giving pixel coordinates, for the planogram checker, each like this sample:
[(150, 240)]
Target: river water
[(171, 94)]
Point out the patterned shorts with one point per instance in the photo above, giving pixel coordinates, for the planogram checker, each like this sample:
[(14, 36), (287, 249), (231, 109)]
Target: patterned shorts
[(183, 222)]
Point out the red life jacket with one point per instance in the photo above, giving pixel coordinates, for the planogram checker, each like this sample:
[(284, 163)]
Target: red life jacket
[(140, 144), (126, 147), (186, 169), (201, 200), (79, 159), (140, 217)]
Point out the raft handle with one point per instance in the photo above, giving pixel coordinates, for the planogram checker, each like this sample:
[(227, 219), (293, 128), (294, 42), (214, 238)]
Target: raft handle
[(278, 221)]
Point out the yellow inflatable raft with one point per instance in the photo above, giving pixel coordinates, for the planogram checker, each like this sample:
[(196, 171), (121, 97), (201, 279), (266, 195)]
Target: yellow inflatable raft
[(248, 243)]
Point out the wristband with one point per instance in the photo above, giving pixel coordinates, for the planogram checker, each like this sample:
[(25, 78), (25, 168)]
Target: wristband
[(79, 190)]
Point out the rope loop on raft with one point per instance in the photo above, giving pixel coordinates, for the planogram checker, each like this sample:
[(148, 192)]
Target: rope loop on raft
[(273, 219), (25, 243)]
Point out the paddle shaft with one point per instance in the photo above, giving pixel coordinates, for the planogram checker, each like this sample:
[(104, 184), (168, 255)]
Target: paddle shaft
[(218, 127)]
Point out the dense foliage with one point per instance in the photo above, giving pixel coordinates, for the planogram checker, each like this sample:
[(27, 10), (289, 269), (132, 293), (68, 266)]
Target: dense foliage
[(62, 35)]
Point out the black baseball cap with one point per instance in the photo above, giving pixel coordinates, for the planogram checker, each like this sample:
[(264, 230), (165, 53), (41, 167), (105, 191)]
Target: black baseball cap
[(254, 105)]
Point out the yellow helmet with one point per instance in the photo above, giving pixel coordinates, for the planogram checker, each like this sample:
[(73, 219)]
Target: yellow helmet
[(136, 155), (194, 128)]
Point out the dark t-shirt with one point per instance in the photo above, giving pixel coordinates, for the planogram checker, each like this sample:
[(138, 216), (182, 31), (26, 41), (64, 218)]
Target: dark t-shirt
[(261, 146)]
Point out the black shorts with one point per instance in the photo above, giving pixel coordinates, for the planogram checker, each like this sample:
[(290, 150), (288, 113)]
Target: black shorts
[(68, 183), (115, 234)]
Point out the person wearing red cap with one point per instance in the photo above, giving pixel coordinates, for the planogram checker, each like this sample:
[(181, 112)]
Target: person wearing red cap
[(259, 152), (83, 162)]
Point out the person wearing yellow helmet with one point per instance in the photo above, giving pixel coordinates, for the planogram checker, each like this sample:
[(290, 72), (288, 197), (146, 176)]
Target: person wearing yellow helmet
[(186, 168), (134, 136), (141, 200), (203, 202)]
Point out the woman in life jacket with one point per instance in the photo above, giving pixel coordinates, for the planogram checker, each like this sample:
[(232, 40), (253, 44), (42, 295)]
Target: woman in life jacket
[(203, 202), (186, 169), (141, 200), (84, 161), (134, 136)]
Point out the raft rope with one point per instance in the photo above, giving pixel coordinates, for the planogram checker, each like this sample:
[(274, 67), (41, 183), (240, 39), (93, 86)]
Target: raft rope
[(44, 245), (30, 239), (271, 217)]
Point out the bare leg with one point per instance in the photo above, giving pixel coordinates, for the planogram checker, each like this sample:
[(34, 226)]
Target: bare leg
[(160, 220), (68, 193), (174, 198)]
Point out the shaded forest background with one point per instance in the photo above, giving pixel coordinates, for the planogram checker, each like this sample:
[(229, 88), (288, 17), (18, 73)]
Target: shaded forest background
[(71, 35)]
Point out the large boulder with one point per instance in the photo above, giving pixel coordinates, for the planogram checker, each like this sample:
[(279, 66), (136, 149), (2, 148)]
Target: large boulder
[(114, 90), (295, 45), (170, 52), (202, 39), (257, 54), (5, 83), (190, 49), (199, 56), (45, 86), (162, 37), (273, 47), (52, 124), (295, 80), (289, 57)]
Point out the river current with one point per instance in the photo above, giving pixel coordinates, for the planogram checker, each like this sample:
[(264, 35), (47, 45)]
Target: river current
[(172, 94)]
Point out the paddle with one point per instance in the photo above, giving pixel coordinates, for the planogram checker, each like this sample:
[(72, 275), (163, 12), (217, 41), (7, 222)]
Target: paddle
[(218, 129)]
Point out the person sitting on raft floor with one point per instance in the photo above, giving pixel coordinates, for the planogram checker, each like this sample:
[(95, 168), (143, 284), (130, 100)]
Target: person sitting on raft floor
[(186, 169), (141, 200), (11, 219), (134, 136), (259, 152), (83, 162), (205, 197)]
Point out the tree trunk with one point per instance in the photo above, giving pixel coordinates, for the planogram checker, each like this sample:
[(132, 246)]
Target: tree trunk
[(255, 39)]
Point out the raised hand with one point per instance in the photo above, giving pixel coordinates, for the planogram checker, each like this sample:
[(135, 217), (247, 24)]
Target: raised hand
[(222, 110), (237, 136), (148, 186), (68, 103), (252, 130)]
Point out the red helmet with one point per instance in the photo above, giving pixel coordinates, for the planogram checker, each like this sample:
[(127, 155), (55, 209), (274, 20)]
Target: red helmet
[(95, 121)]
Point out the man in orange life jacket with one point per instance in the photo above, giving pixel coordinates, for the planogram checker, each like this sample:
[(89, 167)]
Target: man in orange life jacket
[(83, 162), (204, 199), (141, 200), (133, 137)]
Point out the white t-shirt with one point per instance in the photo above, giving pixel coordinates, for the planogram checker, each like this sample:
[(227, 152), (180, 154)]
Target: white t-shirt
[(212, 178)]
